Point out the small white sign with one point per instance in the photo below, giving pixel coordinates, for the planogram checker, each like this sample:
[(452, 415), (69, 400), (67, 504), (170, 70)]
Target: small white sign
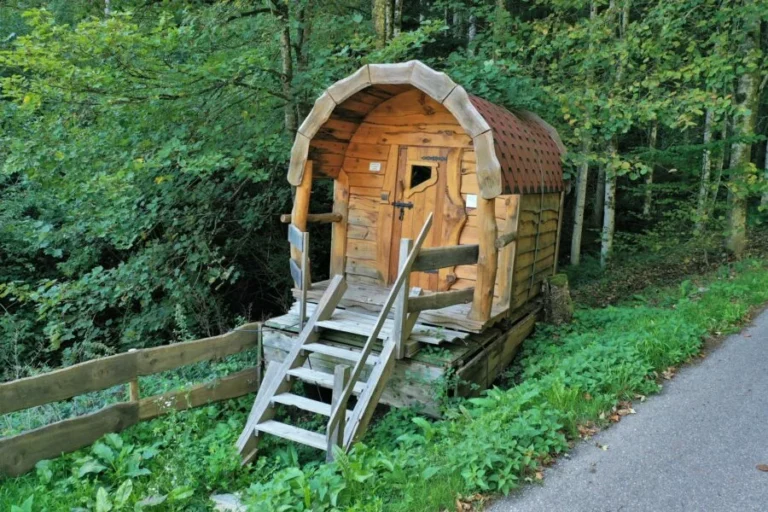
[(471, 201), (374, 166)]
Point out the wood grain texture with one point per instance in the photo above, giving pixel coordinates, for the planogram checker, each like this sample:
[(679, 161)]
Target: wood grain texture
[(300, 209), (20, 453), (487, 262), (110, 371), (340, 230), (440, 300), (231, 386), (315, 218)]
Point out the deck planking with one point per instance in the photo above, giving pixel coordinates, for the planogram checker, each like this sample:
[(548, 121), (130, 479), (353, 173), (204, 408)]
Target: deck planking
[(369, 298)]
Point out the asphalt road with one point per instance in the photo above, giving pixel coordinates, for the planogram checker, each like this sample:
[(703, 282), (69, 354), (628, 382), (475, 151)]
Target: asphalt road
[(694, 447)]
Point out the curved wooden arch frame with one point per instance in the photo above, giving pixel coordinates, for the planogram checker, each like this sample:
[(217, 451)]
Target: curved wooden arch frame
[(417, 74)]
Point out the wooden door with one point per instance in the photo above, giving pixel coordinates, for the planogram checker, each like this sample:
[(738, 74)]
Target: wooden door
[(428, 181)]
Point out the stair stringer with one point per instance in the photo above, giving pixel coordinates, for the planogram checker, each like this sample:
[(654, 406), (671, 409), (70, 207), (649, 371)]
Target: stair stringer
[(281, 382), (369, 398)]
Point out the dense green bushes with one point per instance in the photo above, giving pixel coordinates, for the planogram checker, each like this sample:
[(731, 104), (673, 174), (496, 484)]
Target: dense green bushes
[(565, 378)]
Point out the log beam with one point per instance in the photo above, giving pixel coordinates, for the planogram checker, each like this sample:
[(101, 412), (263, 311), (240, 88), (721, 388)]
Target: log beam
[(315, 218), (440, 300), (487, 261)]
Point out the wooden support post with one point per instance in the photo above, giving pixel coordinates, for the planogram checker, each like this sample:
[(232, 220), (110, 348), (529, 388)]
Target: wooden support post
[(487, 261), (299, 216), (133, 386), (401, 302), (305, 283), (506, 273), (339, 229), (301, 206), (559, 229), (133, 390), (336, 437)]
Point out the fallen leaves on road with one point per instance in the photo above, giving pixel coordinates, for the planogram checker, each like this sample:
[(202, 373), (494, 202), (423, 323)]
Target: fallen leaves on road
[(763, 467), (669, 373), (620, 410), (469, 503), (588, 429)]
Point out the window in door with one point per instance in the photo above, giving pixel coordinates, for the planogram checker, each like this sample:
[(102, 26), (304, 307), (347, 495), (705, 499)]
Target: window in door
[(420, 174), (420, 177)]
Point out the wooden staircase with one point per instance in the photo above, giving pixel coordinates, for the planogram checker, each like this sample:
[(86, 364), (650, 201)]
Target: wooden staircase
[(344, 426)]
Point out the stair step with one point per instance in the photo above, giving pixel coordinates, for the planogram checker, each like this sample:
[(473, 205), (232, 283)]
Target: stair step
[(338, 353), (321, 379), (305, 404), (291, 433)]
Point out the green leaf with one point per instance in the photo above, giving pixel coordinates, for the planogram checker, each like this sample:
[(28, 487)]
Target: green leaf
[(91, 466), (104, 452), (180, 494), (123, 493), (26, 506), (102, 501)]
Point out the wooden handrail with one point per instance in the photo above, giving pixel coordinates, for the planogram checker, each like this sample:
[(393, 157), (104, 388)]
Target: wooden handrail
[(506, 239), (316, 218), (341, 406), (434, 258), (440, 300), (106, 372)]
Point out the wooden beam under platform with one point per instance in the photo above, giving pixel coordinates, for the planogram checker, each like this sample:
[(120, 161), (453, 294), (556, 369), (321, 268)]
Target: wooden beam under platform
[(477, 358)]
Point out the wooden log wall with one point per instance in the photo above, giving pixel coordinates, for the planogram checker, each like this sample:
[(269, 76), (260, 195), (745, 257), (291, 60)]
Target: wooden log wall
[(536, 245), (505, 211), (410, 119)]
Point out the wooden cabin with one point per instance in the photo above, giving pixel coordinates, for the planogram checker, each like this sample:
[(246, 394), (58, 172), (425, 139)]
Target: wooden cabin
[(446, 219)]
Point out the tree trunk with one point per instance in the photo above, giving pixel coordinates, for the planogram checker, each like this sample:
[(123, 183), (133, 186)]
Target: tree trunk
[(581, 200), (286, 78), (389, 16), (609, 214), (597, 208), (764, 199), (586, 146), (107, 8), (471, 34), (648, 199), (741, 152), (706, 167), (719, 161), (380, 21), (397, 21)]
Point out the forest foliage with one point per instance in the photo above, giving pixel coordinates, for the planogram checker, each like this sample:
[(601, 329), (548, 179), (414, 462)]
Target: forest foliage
[(144, 144)]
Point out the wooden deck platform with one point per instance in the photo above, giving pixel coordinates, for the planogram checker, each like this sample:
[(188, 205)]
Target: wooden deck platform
[(369, 299)]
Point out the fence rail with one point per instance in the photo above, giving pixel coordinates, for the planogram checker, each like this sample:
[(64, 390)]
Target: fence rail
[(20, 453)]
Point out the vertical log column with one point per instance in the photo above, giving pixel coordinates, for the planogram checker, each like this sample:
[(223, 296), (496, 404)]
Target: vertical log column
[(399, 329), (487, 261), (301, 206), (339, 229)]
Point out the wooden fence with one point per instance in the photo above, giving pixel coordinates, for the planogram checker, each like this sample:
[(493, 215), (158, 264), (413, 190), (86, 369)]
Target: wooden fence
[(21, 452)]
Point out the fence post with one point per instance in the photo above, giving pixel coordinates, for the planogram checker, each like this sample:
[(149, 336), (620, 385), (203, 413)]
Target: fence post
[(401, 301), (336, 437), (133, 386)]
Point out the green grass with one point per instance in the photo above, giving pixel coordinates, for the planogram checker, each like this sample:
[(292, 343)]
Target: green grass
[(564, 377)]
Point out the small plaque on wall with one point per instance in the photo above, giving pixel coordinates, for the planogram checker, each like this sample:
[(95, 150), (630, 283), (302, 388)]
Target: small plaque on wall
[(471, 201), (374, 166)]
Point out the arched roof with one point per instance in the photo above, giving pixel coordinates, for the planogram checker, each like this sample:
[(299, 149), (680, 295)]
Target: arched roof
[(515, 152)]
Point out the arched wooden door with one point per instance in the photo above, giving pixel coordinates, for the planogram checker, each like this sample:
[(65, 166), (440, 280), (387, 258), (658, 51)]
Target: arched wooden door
[(428, 181)]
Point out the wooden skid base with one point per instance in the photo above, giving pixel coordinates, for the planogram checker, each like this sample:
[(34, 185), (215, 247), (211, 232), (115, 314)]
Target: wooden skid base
[(477, 360)]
